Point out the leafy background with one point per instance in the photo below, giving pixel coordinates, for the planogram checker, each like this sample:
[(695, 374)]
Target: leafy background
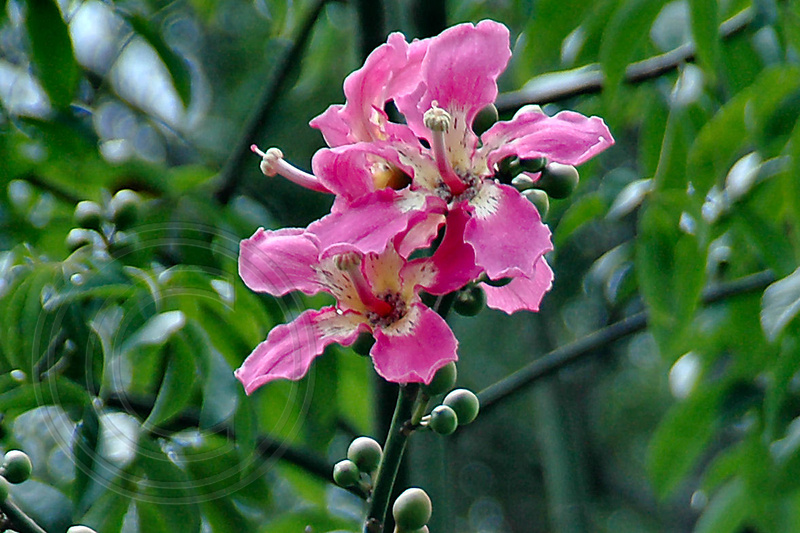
[(659, 388)]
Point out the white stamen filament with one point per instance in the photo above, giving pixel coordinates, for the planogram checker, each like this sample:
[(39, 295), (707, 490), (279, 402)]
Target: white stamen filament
[(351, 264), (438, 121), (272, 163)]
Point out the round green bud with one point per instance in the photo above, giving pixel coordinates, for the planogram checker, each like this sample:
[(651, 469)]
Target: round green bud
[(557, 180), (442, 381), (539, 199), (485, 118), (469, 300), (5, 488), (412, 509), (364, 343), (88, 215), (534, 164), (124, 208), (16, 467), (464, 403), (79, 237), (423, 529), (81, 529), (366, 453), (346, 473), (444, 420)]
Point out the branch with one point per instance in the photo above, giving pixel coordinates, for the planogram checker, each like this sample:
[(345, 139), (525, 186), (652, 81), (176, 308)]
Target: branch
[(232, 172), (56, 190), (560, 357), (590, 79), (16, 519)]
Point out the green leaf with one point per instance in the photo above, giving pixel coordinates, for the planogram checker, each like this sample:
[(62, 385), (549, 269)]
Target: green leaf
[(623, 37), (177, 385), (84, 452), (52, 51), (586, 209), (155, 332), (671, 172), (107, 512), (680, 438), (727, 511), (220, 388), (54, 391), (705, 22), (175, 63), (780, 305)]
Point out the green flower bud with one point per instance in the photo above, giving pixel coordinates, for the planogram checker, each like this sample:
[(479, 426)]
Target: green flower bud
[(124, 208), (443, 381), (412, 509), (5, 487), (444, 420), (469, 301), (363, 344), (539, 199), (485, 118), (366, 453), (346, 473), (464, 403), (557, 180), (535, 164), (79, 237), (81, 529), (88, 215), (16, 467)]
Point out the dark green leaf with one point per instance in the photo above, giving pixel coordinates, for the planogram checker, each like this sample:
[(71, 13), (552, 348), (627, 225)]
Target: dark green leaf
[(177, 385), (728, 509), (52, 51), (84, 450), (584, 210), (705, 22)]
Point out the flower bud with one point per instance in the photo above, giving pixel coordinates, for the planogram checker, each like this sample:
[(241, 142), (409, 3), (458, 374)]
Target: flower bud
[(366, 453), (557, 180), (346, 473), (539, 199), (464, 403), (469, 301), (534, 164), (78, 237), (16, 467), (485, 119), (88, 215), (412, 509), (81, 529), (444, 379), (444, 420), (124, 208)]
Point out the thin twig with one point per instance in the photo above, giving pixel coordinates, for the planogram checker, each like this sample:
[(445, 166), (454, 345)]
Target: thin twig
[(231, 173), (560, 357), (56, 190), (17, 520), (590, 79)]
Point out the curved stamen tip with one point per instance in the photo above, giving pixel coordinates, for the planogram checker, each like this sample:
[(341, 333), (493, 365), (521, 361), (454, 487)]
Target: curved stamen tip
[(269, 160), (436, 118), (347, 261)]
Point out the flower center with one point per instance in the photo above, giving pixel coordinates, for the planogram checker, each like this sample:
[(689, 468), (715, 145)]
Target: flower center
[(438, 121), (351, 263), (398, 310)]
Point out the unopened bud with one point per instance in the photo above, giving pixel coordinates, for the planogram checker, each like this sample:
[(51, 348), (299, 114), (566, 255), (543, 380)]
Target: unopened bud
[(88, 215), (485, 119), (124, 208), (412, 509), (557, 180), (444, 420), (469, 301), (539, 199), (78, 237), (366, 453), (81, 529), (16, 467), (442, 381), (346, 473), (464, 403)]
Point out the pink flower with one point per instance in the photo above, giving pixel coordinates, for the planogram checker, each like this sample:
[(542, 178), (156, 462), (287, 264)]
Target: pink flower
[(375, 292)]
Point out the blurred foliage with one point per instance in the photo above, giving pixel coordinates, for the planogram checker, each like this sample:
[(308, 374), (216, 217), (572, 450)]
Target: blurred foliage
[(119, 333)]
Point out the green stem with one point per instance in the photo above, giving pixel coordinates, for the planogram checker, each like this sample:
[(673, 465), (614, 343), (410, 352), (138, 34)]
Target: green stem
[(392, 456), (17, 520)]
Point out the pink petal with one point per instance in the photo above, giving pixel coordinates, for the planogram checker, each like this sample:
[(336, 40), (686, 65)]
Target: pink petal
[(454, 259), (278, 262), (568, 137), (506, 231), (460, 72), (290, 348), (522, 293), (374, 220), (413, 352), (390, 70), (344, 171), (420, 234)]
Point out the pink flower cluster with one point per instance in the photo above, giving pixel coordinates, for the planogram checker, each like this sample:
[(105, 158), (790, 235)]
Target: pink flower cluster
[(396, 186)]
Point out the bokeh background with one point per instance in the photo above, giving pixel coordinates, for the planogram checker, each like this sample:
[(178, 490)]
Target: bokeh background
[(659, 389)]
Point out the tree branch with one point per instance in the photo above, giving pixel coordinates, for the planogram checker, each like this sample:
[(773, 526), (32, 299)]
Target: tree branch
[(560, 357), (554, 87), (16, 519), (231, 173)]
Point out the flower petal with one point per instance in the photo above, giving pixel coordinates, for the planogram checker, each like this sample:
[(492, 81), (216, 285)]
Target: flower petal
[(278, 262), (460, 71), (372, 221), (412, 350), (454, 259), (568, 137), (290, 348), (506, 231), (522, 293)]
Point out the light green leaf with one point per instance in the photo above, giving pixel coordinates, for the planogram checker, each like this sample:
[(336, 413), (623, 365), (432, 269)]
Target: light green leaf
[(52, 51), (177, 386), (705, 22), (727, 511), (780, 305), (586, 209)]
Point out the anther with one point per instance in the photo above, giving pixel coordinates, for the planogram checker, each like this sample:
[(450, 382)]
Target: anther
[(438, 121), (272, 163)]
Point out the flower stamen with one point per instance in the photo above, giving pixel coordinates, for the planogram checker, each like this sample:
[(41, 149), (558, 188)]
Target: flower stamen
[(351, 263), (438, 121), (272, 163)]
